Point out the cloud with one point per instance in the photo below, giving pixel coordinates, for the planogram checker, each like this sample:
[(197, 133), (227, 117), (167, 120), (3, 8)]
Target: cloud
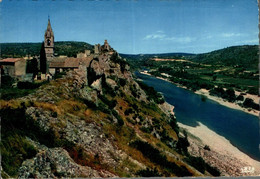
[(154, 36), (160, 35), (209, 37), (160, 31), (253, 41), (231, 34), (180, 39)]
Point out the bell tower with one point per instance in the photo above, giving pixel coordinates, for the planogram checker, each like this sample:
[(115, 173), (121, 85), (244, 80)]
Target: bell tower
[(49, 41)]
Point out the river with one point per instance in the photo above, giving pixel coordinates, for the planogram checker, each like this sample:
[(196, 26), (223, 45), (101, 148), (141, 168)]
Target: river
[(240, 128)]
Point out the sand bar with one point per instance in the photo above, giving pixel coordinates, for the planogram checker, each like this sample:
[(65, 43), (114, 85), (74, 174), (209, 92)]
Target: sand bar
[(222, 146)]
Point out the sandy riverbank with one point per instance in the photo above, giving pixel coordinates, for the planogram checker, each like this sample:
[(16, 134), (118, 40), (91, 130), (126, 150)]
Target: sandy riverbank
[(222, 154), (217, 99)]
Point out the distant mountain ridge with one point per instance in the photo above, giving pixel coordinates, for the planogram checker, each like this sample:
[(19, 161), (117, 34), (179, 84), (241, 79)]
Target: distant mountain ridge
[(245, 55), (160, 55)]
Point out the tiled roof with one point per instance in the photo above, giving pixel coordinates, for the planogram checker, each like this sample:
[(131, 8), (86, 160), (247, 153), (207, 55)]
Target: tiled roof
[(11, 60), (68, 62)]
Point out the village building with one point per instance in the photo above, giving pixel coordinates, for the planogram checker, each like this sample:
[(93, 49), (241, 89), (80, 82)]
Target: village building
[(85, 54), (14, 67), (97, 49), (48, 64), (59, 64)]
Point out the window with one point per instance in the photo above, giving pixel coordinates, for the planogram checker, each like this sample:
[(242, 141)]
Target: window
[(48, 42)]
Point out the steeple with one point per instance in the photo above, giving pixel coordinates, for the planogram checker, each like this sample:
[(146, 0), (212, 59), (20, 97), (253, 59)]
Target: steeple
[(49, 40), (49, 32)]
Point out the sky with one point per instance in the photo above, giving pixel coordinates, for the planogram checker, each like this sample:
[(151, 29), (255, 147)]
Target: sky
[(135, 26)]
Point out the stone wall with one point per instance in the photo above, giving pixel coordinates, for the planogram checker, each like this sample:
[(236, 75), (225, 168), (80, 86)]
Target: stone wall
[(20, 67)]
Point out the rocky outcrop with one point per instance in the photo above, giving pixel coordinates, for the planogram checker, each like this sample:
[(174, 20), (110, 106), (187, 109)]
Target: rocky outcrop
[(56, 163), (167, 108), (87, 135)]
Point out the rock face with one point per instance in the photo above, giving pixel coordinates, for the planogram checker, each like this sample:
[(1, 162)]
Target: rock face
[(56, 162)]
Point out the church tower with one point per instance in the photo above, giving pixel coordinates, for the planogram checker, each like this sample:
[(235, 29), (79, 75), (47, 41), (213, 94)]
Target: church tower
[(47, 49), (49, 41)]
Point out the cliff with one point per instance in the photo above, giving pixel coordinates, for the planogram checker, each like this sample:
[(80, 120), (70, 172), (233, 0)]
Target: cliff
[(96, 121)]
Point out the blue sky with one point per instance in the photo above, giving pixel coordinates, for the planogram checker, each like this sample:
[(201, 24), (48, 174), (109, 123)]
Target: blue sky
[(135, 26)]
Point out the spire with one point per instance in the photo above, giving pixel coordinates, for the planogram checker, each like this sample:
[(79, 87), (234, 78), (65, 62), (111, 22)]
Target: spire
[(49, 23), (49, 32)]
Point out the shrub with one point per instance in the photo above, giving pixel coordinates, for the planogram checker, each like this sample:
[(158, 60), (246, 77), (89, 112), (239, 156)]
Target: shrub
[(249, 103), (206, 147), (106, 88), (59, 75), (146, 129), (212, 170), (183, 144), (253, 91), (54, 114), (7, 81), (135, 107), (133, 91), (197, 162), (240, 98), (174, 125), (217, 92), (14, 149), (128, 111), (231, 97), (149, 173), (120, 121), (155, 156), (122, 82), (102, 107), (110, 103), (27, 85)]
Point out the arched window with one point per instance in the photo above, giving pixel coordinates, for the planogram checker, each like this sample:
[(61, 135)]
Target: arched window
[(48, 42)]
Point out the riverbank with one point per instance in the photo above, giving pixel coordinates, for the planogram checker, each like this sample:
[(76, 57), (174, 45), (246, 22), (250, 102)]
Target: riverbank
[(219, 100), (223, 102), (222, 154)]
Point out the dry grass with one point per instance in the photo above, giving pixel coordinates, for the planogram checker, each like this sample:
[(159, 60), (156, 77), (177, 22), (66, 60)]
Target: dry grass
[(48, 106), (14, 103)]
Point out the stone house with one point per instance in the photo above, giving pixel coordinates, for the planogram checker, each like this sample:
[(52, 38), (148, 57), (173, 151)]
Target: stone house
[(65, 64), (14, 67)]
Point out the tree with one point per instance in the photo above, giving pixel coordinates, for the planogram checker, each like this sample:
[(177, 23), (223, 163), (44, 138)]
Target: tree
[(214, 77)]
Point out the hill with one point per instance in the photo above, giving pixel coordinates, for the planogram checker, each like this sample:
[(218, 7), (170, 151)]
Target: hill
[(97, 121), (246, 56), (139, 61), (159, 55), (68, 48)]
